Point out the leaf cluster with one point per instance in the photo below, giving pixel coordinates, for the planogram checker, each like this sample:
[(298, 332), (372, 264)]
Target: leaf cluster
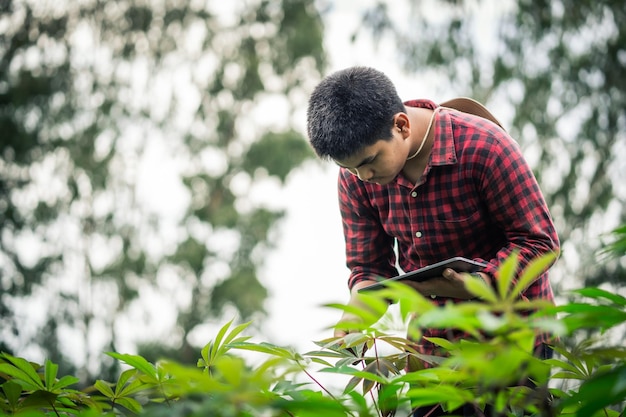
[(490, 366)]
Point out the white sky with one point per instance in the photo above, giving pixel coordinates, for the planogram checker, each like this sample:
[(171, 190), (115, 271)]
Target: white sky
[(307, 269)]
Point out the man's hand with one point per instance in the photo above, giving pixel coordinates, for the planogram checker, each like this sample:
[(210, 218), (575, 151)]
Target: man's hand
[(451, 284), (342, 329)]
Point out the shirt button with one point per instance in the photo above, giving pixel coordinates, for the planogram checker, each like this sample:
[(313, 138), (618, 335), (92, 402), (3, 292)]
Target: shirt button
[(414, 194), (418, 234)]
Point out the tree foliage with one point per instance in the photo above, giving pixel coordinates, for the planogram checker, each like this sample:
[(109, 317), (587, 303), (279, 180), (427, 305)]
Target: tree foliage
[(554, 71), (90, 93)]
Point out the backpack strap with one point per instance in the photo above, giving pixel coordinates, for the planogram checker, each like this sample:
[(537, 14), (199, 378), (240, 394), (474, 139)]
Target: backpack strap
[(471, 106)]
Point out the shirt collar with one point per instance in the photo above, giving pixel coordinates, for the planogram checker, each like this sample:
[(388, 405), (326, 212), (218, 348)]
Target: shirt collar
[(443, 151)]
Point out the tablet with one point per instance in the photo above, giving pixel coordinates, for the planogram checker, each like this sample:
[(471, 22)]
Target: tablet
[(459, 264)]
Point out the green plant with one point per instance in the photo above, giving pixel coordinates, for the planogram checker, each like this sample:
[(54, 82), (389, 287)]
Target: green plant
[(486, 368)]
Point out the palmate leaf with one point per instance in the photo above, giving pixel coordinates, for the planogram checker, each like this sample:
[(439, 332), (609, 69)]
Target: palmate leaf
[(535, 268), (480, 289), (600, 391), (104, 388), (368, 315), (597, 293), (266, 348), (23, 372), (447, 395), (582, 315), (506, 274), (12, 392), (50, 373), (212, 350), (347, 370), (131, 388), (123, 380), (130, 404), (380, 366), (137, 362), (64, 382)]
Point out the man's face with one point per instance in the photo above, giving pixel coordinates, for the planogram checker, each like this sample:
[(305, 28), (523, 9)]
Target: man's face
[(381, 162)]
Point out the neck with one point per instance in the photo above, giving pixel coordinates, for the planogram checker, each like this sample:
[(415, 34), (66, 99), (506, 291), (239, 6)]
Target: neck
[(425, 137)]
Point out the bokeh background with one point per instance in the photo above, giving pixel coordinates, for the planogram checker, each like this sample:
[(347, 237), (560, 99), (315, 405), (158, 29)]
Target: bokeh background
[(156, 182)]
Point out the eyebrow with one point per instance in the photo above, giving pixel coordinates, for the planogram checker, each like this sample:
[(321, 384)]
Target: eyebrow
[(363, 162)]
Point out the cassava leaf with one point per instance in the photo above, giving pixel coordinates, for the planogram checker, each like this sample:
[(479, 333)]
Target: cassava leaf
[(27, 370), (50, 373), (64, 382), (506, 274), (480, 289), (130, 404), (104, 388), (12, 392), (593, 292), (137, 362), (534, 269), (123, 379)]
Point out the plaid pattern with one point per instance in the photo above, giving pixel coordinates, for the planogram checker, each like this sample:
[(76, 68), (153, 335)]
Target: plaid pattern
[(478, 198)]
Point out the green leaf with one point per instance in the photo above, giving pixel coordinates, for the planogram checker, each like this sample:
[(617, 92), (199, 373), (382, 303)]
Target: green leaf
[(131, 388), (50, 373), (324, 354), (593, 292), (12, 392), (321, 361), (130, 404), (136, 362), (21, 377), (366, 316), (65, 381), (444, 343), (600, 391), (264, 347), (26, 367), (534, 269), (443, 394), (104, 388), (123, 380), (480, 288), (555, 327), (39, 398), (354, 339), (346, 370), (217, 343), (506, 274)]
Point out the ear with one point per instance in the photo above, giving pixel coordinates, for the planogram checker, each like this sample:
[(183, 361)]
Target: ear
[(402, 123)]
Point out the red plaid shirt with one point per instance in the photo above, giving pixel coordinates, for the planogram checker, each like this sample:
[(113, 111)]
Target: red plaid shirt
[(478, 198)]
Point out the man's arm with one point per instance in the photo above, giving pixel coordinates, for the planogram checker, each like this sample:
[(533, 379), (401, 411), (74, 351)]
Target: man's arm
[(355, 302)]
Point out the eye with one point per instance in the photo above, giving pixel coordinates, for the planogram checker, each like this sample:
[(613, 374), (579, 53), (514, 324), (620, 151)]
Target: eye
[(368, 162)]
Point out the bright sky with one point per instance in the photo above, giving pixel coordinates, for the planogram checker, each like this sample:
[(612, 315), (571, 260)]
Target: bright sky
[(307, 269)]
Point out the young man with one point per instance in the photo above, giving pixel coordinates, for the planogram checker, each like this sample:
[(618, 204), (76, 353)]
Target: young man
[(439, 182)]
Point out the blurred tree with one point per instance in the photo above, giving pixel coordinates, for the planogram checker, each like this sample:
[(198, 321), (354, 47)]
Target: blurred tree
[(555, 71), (90, 92)]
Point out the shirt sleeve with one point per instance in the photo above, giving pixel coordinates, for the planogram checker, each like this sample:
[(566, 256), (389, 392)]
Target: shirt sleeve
[(515, 203), (369, 249)]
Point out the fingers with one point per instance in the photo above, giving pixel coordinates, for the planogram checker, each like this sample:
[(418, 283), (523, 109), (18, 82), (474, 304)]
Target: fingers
[(340, 333)]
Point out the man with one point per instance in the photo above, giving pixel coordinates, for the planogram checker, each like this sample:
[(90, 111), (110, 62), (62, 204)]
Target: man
[(438, 182)]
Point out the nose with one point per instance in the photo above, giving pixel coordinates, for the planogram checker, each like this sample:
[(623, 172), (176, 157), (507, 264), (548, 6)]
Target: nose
[(364, 174)]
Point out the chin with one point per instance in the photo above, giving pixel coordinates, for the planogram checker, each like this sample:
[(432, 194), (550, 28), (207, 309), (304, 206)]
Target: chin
[(381, 180)]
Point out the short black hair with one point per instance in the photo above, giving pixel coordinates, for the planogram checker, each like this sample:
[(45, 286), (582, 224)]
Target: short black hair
[(350, 110)]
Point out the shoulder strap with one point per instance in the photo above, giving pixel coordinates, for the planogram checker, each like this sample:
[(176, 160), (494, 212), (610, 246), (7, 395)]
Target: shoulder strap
[(471, 106)]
